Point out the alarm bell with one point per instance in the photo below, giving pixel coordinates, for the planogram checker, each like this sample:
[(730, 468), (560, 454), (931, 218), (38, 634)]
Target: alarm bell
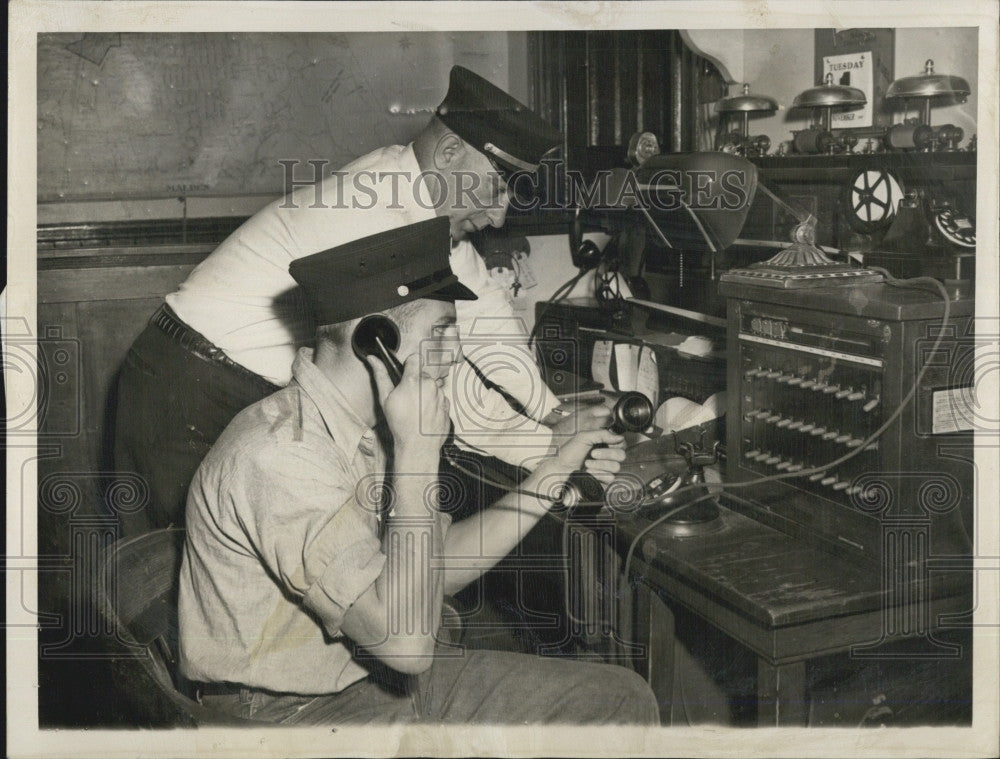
[(739, 141), (826, 97)]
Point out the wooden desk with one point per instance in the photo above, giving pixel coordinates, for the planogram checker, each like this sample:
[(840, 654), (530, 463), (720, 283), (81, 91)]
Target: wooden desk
[(786, 601)]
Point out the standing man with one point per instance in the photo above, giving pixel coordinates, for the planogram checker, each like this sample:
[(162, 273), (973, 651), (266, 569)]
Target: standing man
[(317, 554), (228, 336)]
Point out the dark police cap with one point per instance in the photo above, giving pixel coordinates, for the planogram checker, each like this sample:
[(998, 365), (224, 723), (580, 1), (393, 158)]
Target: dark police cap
[(494, 123), (381, 271)]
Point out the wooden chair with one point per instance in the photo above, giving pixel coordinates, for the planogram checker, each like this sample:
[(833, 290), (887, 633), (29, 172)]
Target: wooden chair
[(137, 594)]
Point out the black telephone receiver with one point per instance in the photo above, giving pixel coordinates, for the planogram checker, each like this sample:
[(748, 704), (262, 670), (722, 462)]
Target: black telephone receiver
[(585, 253), (378, 336), (584, 494)]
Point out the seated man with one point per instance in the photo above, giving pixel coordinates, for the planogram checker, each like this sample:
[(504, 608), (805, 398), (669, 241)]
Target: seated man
[(317, 556)]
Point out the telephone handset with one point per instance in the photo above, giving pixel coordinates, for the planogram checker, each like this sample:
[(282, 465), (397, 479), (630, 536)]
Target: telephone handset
[(584, 494), (377, 335)]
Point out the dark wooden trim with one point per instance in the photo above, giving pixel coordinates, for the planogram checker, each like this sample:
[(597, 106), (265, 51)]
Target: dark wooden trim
[(110, 283), (125, 234), (104, 258), (158, 243)]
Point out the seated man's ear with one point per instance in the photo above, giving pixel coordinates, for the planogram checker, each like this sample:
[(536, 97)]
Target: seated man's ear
[(448, 150)]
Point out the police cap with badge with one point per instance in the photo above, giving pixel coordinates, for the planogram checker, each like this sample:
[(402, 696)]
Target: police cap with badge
[(381, 271), (494, 123)]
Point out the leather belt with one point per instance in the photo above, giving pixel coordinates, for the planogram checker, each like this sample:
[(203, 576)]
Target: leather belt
[(216, 689), (194, 342)]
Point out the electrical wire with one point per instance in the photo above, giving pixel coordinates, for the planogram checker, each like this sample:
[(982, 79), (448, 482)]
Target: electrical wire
[(506, 484), (563, 290), (501, 481), (625, 585), (892, 282), (625, 566), (913, 283)]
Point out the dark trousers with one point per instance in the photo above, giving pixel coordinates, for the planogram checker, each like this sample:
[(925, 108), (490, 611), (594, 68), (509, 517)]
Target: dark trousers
[(472, 687), (172, 406)]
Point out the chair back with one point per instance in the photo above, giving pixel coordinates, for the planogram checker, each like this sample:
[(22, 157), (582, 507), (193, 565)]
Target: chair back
[(137, 594)]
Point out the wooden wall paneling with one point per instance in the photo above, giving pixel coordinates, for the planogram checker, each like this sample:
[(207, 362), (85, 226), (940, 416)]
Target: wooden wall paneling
[(61, 426), (628, 85), (675, 94), (652, 85), (575, 77), (692, 98), (602, 88), (109, 283), (97, 312), (84, 333)]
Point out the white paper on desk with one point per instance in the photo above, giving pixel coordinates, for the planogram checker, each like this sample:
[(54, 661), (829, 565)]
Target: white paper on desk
[(627, 364), (648, 379), (675, 413), (600, 362), (695, 345), (715, 405), (679, 413)]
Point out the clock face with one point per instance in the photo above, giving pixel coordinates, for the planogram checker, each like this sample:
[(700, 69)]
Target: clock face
[(957, 228)]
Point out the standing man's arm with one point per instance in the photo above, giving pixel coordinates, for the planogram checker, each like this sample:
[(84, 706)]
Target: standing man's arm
[(495, 339)]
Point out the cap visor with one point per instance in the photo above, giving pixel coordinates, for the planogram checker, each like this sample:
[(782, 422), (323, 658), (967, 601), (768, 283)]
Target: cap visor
[(452, 291)]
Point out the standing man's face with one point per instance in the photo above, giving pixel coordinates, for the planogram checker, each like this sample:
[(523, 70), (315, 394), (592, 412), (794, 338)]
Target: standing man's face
[(476, 193), (480, 197)]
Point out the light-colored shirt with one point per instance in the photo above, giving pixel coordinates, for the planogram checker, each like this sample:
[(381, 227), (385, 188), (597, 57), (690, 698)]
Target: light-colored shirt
[(243, 299), (282, 537)]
